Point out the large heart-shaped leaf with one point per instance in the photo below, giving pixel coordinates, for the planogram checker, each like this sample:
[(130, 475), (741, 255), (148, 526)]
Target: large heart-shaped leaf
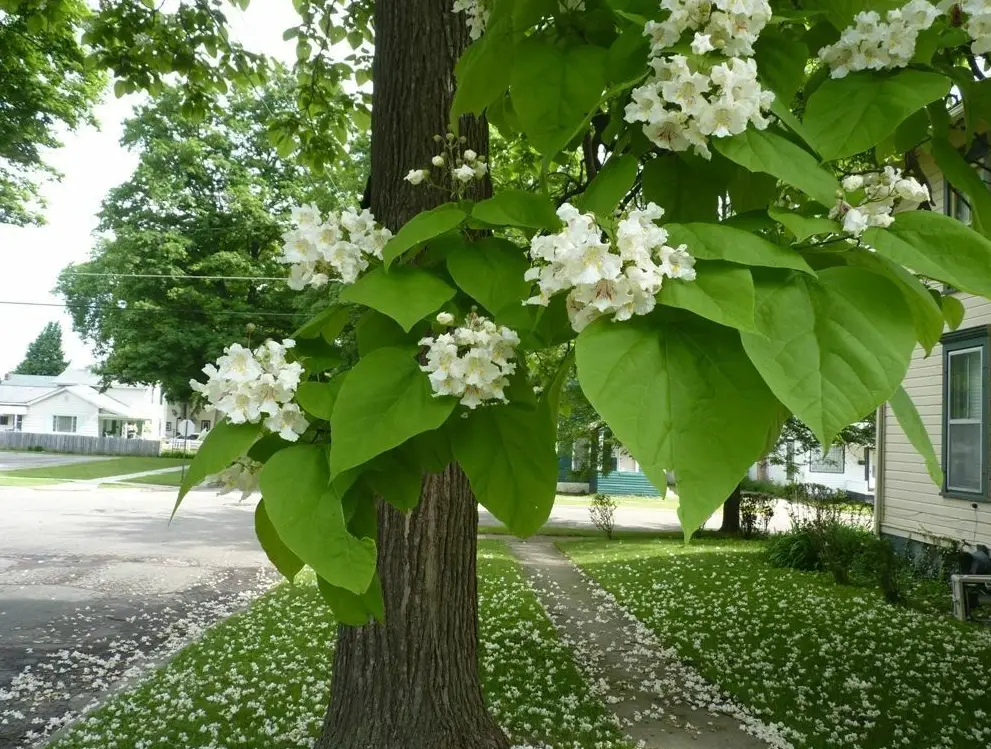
[(483, 70), (766, 151), (554, 90), (491, 272), (610, 186), (385, 400), (911, 423), (804, 227), (224, 444), (721, 292), (422, 227), (718, 242), (831, 349), (350, 608), (305, 510), (508, 455), (407, 295), (526, 210), (679, 393), (937, 246), (847, 116)]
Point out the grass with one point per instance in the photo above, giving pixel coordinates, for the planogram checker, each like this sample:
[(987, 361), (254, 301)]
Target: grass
[(260, 680), (95, 469), (6, 480), (172, 478), (569, 532), (670, 502), (836, 666)]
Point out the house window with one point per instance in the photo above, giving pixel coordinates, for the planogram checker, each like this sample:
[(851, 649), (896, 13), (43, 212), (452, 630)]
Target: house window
[(832, 461), (965, 413), (4, 421), (18, 422), (64, 424), (168, 427), (205, 425)]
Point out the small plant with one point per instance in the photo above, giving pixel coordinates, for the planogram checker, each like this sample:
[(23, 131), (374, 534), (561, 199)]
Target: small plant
[(603, 513), (756, 511), (881, 562), (760, 486)]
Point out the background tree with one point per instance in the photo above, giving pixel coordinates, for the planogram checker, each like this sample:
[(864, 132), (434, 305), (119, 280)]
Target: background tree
[(45, 85), (45, 356), (209, 198)]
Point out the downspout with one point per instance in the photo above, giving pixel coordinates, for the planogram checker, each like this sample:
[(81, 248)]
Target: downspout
[(879, 461)]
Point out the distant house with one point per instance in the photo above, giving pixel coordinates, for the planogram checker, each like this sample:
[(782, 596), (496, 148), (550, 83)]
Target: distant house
[(952, 390), (847, 467), (74, 402)]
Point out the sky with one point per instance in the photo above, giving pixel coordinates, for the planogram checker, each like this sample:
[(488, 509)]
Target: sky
[(92, 161)]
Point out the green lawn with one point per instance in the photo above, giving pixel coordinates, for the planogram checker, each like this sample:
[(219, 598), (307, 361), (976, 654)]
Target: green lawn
[(837, 666), (172, 478), (96, 469), (260, 680), (7, 480), (670, 502), (554, 530)]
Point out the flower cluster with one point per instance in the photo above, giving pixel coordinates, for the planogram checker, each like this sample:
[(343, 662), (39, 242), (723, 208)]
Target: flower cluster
[(602, 280), (476, 15), (873, 44), (256, 386), (464, 165), (689, 100), (978, 24), (473, 362), (319, 250), (241, 475), (729, 26), (869, 199)]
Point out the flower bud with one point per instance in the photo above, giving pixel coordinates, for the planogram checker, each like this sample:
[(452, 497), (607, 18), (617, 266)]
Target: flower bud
[(437, 160), (445, 318)]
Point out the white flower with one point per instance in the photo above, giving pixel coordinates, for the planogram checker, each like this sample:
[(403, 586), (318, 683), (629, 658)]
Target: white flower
[(437, 160), (600, 279), (469, 155), (881, 193), (416, 176), (472, 362), (242, 475), (476, 15), (317, 251), (853, 183), (464, 173), (701, 44)]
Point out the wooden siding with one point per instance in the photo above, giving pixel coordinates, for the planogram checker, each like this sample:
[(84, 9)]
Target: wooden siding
[(78, 443), (626, 483), (911, 505)]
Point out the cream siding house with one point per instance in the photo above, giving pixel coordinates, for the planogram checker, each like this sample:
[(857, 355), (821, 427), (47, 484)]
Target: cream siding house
[(909, 505)]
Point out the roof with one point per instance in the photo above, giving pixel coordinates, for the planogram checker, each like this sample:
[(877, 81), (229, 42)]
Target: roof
[(25, 380), (102, 401), (22, 394), (78, 377)]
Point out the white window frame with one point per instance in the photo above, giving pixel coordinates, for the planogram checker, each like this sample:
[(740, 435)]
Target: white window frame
[(74, 421), (957, 344)]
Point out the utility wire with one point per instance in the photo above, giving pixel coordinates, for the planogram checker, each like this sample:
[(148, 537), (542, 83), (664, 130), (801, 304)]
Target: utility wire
[(233, 313)]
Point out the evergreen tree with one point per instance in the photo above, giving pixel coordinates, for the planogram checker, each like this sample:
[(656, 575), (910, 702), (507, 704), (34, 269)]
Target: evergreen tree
[(45, 356)]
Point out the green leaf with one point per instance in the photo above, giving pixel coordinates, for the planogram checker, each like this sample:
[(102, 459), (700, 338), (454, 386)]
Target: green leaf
[(350, 608), (318, 398), (750, 192), (328, 324), (491, 272), (610, 186), (766, 151), (397, 478), (937, 246), (679, 394), (687, 187), (525, 210), (627, 57), (406, 294), (553, 326), (804, 227), (717, 242), (384, 401), (306, 511), (953, 311), (831, 349), (375, 330), (964, 178), (266, 447), (927, 316), (422, 227), (483, 70), (781, 62), (509, 457), (847, 116), (224, 444), (721, 292), (911, 423), (280, 555), (554, 90)]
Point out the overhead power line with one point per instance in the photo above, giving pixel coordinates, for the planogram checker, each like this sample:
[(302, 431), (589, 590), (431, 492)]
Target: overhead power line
[(156, 310)]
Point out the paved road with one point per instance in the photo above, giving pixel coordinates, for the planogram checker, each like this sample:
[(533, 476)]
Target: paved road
[(10, 460), (96, 582)]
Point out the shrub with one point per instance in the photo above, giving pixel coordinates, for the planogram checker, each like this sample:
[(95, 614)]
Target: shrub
[(795, 549), (756, 511), (603, 513), (879, 562), (757, 486)]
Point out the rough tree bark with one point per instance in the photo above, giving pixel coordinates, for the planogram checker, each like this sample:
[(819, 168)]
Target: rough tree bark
[(413, 683), (731, 513)]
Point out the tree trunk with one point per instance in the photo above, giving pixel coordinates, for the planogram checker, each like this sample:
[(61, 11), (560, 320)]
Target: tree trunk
[(412, 683), (731, 513)]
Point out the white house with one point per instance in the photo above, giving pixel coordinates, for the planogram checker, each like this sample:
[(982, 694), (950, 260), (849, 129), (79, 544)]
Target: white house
[(951, 389), (850, 468)]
